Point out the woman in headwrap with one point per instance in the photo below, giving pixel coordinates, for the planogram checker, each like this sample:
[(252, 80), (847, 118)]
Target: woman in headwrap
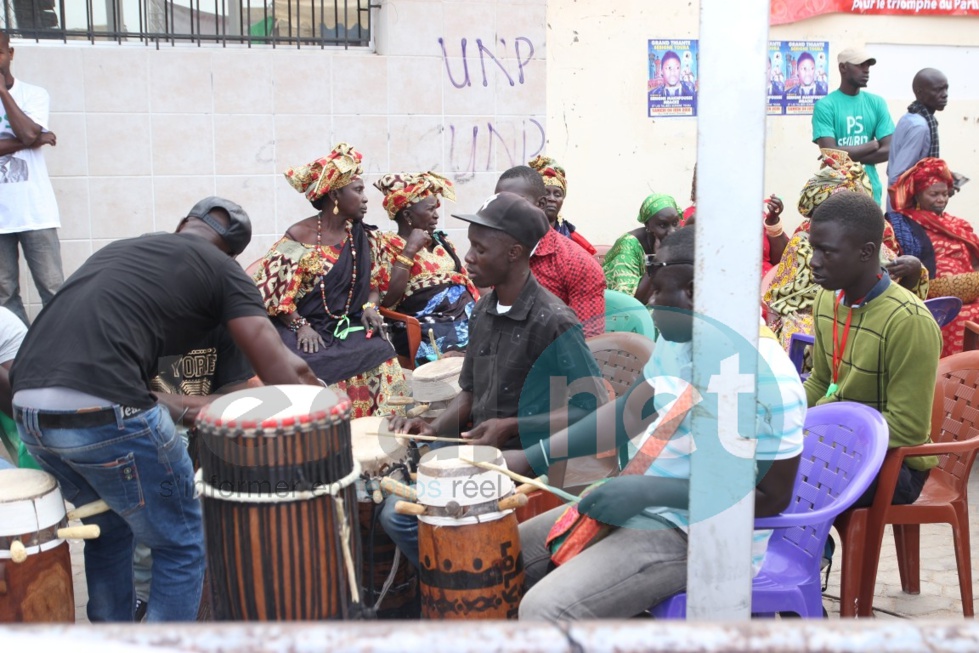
[(948, 246), (792, 291), (320, 287), (556, 184), (421, 272), (625, 262)]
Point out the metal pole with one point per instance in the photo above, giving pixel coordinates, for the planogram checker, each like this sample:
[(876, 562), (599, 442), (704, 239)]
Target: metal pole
[(731, 132)]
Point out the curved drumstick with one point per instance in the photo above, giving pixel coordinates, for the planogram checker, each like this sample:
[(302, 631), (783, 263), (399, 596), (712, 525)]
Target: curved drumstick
[(87, 532), (408, 508), (88, 510), (567, 496), (391, 486)]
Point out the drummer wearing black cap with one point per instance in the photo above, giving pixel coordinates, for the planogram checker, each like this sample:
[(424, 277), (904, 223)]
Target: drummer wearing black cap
[(84, 408), (521, 339)]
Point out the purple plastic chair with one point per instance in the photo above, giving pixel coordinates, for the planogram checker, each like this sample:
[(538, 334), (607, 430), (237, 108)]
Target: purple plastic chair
[(944, 309), (797, 351), (842, 453)]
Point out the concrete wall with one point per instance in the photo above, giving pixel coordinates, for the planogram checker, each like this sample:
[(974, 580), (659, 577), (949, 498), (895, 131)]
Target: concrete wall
[(615, 155), (144, 133)]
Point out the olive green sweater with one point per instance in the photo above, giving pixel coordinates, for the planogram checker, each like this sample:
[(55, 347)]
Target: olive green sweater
[(890, 362)]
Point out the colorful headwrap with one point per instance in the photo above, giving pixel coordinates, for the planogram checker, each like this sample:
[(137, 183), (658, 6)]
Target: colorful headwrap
[(838, 173), (654, 204), (335, 170), (923, 175), (403, 190), (552, 173)]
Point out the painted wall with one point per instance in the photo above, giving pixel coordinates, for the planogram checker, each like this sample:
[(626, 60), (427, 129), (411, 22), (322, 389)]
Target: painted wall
[(454, 86), (615, 155)]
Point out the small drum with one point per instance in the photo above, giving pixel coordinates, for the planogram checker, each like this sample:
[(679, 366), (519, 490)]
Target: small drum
[(39, 589), (437, 383), (381, 456), (279, 504), (470, 565)]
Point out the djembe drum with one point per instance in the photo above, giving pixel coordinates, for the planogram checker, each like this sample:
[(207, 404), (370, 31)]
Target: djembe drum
[(469, 559), (35, 564), (280, 504), (380, 456), (435, 384)]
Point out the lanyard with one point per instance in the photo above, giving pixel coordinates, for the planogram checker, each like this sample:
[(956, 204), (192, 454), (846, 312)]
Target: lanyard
[(343, 328), (839, 344)]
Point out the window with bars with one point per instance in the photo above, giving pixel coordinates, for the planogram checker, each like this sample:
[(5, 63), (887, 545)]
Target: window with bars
[(294, 23)]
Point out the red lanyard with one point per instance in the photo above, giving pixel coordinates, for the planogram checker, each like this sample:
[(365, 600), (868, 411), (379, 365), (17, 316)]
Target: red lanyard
[(839, 344)]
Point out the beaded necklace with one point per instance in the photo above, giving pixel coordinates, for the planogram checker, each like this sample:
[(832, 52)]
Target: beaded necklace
[(353, 279)]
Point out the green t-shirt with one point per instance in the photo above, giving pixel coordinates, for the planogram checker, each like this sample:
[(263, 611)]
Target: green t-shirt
[(853, 120)]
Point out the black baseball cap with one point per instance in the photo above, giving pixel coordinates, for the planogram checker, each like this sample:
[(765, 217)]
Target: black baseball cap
[(237, 234), (512, 214)]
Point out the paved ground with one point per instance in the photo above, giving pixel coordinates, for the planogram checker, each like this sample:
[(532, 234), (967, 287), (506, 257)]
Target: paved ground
[(939, 596)]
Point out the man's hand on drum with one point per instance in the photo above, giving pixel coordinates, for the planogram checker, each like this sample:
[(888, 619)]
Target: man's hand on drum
[(308, 340), (493, 432), (409, 426)]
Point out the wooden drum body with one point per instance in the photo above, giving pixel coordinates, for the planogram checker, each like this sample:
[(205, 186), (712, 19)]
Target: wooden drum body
[(470, 564), (39, 589), (380, 456), (280, 505)]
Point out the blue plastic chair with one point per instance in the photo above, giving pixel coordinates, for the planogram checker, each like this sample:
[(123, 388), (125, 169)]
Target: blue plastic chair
[(944, 309), (844, 447), (797, 351), (626, 313)]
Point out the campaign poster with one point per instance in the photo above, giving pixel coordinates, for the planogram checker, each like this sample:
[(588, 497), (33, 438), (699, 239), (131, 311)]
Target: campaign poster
[(791, 11), (776, 79), (807, 75), (673, 74)]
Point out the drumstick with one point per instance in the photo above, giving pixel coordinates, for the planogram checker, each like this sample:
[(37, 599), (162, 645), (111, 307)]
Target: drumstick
[(392, 486), (431, 339), (88, 510), (426, 438), (87, 532), (400, 401), (418, 411), (409, 508), (567, 496), (513, 501)]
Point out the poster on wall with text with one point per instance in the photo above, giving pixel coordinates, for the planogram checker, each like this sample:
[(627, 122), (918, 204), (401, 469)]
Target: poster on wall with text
[(806, 75), (673, 74), (783, 12), (776, 79)]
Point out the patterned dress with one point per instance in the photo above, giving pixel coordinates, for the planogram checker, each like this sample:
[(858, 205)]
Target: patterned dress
[(366, 370), (624, 265), (439, 293), (955, 275)]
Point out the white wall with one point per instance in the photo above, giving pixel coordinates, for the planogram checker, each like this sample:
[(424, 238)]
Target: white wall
[(615, 155), (144, 133)]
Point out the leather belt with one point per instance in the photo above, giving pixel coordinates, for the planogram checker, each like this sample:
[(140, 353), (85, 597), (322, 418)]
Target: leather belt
[(80, 419)]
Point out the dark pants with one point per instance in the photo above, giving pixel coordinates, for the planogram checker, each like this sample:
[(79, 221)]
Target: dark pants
[(909, 484)]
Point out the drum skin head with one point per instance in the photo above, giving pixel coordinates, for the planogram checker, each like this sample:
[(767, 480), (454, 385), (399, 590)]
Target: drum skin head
[(24, 484), (273, 406), (375, 452)]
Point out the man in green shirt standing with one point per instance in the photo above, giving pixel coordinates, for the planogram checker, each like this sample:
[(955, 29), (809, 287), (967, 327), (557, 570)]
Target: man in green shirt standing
[(876, 343), (856, 122)]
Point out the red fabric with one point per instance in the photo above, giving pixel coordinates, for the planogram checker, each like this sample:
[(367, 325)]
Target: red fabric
[(581, 240), (576, 278), (953, 256), (791, 11)]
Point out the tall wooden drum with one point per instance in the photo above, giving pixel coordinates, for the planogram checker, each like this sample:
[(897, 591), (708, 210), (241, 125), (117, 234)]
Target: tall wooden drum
[(280, 505), (35, 565), (469, 559)]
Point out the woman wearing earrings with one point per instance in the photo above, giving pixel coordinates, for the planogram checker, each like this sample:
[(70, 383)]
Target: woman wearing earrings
[(423, 275), (320, 287)]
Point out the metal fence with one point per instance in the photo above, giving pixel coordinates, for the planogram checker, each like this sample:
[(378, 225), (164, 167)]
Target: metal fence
[(289, 23)]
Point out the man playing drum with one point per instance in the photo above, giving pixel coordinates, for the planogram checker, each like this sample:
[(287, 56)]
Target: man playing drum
[(522, 340), (84, 408)]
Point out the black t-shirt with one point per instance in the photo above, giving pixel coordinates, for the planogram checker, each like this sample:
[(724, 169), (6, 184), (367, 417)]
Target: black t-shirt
[(214, 363), (130, 304)]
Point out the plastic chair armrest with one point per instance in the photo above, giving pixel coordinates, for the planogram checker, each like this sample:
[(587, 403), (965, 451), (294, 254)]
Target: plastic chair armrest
[(412, 325), (970, 340), (812, 518), (934, 449)]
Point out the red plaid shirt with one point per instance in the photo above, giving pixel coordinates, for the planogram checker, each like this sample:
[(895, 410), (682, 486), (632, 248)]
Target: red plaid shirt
[(568, 271)]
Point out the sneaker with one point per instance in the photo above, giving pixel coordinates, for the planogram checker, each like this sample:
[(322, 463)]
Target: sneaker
[(140, 613)]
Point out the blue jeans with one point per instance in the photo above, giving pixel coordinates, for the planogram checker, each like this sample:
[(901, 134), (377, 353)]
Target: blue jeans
[(140, 467), (402, 529), (42, 251)]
